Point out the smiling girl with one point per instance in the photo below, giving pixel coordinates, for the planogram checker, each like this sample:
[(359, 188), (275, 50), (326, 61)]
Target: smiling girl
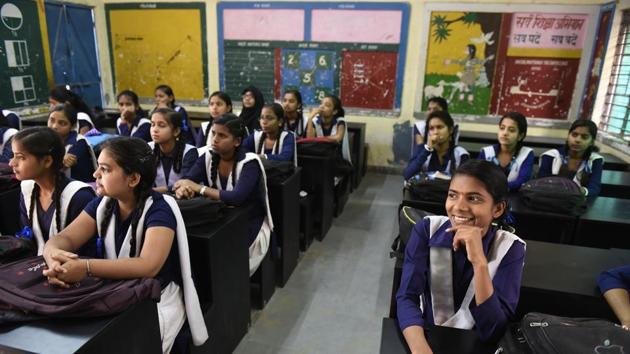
[(440, 152), (140, 233), (465, 270), (577, 160), (515, 159)]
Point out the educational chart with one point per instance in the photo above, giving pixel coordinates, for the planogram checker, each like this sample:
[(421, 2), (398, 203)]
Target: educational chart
[(159, 43), (24, 80), (355, 51), (493, 63)]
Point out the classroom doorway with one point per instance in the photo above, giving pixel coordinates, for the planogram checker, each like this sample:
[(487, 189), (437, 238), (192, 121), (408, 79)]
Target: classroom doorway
[(71, 35)]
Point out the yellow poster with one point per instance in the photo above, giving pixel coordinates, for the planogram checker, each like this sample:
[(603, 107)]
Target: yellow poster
[(158, 46)]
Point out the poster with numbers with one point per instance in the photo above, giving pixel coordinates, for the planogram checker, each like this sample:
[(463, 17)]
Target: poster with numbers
[(309, 71)]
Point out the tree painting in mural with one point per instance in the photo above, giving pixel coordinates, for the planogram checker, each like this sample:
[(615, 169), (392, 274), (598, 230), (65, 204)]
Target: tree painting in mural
[(460, 59)]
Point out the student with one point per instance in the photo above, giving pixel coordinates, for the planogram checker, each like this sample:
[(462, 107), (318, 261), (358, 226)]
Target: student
[(141, 234), (79, 161), (165, 98), (173, 157), (272, 142), (48, 200), (614, 285), (13, 119), (220, 103), (253, 102), (434, 104), (131, 122), (516, 160), (577, 160), (327, 121), (465, 271), (237, 178), (61, 94), (294, 113), (6, 133), (440, 153)]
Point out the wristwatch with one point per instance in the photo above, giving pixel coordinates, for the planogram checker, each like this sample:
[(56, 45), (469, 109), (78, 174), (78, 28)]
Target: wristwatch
[(202, 191)]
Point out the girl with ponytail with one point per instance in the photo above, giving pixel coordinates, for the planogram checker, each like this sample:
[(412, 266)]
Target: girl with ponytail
[(140, 233), (49, 200), (236, 177), (294, 113), (577, 159), (271, 142), (465, 267), (165, 98), (440, 153), (219, 104), (173, 157)]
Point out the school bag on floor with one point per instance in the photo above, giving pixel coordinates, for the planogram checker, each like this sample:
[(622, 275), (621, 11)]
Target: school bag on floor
[(539, 333), (200, 211), (554, 194), (24, 288), (425, 187)]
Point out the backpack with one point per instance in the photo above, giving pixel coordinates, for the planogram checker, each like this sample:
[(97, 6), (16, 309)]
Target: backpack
[(277, 171), (13, 248), (542, 333), (555, 194), (322, 146), (408, 217), (23, 287), (200, 211), (429, 189)]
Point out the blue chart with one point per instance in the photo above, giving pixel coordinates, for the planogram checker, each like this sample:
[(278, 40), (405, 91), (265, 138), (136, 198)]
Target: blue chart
[(312, 72)]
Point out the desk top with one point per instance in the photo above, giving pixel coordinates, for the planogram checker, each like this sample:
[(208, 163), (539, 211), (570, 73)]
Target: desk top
[(609, 210), (621, 178), (230, 214), (443, 340)]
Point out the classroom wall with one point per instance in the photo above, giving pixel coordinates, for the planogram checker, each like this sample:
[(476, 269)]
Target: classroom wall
[(379, 129)]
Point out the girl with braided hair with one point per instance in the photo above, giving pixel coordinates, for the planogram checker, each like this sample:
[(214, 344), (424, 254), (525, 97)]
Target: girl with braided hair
[(140, 233), (165, 98), (294, 113), (173, 157), (236, 177), (271, 142), (220, 103), (48, 200)]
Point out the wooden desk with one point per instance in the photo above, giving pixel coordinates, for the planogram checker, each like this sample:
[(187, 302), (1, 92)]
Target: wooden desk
[(443, 340), (605, 224), (615, 184), (613, 163), (220, 265), (562, 280), (284, 200), (133, 331), (317, 180)]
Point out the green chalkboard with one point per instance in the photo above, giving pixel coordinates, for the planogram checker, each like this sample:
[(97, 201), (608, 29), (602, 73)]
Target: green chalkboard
[(22, 62), (249, 66)]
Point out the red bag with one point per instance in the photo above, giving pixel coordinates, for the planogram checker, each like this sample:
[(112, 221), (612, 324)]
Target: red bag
[(24, 288)]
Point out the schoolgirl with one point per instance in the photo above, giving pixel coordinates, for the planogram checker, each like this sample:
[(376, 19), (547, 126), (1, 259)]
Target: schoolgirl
[(61, 94), (327, 121), (237, 178), (253, 102), (220, 103), (6, 132), (131, 122), (434, 104), (49, 200), (13, 119), (79, 161), (440, 152), (516, 160), (165, 98), (577, 160), (294, 113), (272, 142), (173, 157), (461, 270), (141, 233)]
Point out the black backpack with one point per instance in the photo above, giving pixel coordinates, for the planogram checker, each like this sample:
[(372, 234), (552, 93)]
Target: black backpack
[(200, 211), (554, 194), (542, 333), (277, 171), (23, 288), (428, 189), (408, 217), (13, 248)]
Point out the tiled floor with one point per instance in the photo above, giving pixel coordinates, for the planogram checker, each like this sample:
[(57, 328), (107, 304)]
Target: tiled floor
[(338, 294)]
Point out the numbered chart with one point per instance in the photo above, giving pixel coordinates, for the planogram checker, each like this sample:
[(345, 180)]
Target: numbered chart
[(311, 72)]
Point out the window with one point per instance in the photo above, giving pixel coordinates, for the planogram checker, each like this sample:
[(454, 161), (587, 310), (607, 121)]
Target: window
[(617, 103)]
